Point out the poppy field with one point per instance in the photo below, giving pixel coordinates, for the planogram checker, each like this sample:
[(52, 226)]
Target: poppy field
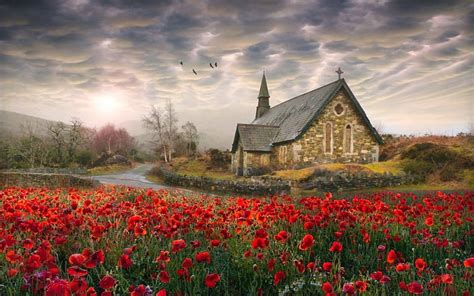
[(129, 241)]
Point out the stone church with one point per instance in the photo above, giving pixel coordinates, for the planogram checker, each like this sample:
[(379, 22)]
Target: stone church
[(324, 125)]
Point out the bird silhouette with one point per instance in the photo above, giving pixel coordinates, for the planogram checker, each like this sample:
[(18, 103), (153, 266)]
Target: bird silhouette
[(195, 73), (210, 64), (215, 64), (181, 63)]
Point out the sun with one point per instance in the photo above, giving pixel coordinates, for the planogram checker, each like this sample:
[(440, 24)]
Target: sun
[(106, 103)]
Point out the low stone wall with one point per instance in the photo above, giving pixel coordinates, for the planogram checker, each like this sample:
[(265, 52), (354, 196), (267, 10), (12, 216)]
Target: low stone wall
[(253, 186), (46, 170), (25, 179), (336, 181)]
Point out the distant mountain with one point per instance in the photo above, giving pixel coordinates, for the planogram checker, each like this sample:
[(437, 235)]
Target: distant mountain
[(12, 124)]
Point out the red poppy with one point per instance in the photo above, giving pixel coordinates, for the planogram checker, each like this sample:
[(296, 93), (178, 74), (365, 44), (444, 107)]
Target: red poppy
[(178, 245), (76, 259), (349, 289), (420, 264), (279, 276), (94, 259), (215, 242), (429, 221), (446, 278), (28, 244), (327, 266), (211, 280), (12, 272), (469, 262), (282, 236), (203, 257), (107, 282), (58, 287), (336, 247), (391, 257), (164, 256), (78, 286), (415, 288), (306, 243), (187, 263), (76, 271), (361, 286), (260, 243), (164, 277), (327, 288), (124, 261), (402, 267), (162, 292)]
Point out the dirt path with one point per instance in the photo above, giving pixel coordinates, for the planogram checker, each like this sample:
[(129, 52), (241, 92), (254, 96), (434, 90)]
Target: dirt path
[(135, 177)]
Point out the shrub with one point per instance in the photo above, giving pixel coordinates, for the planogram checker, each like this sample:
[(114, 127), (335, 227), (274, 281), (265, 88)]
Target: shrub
[(84, 158), (219, 159)]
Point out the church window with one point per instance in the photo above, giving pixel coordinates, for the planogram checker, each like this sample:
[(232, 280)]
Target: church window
[(328, 138), (339, 109), (348, 139)]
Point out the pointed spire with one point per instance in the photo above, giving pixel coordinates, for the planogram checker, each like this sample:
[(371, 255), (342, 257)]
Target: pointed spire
[(263, 88)]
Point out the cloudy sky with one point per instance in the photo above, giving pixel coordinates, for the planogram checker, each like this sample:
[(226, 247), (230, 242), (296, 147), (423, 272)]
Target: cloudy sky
[(409, 63)]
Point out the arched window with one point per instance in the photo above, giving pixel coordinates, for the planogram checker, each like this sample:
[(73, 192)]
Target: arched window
[(348, 139), (328, 138)]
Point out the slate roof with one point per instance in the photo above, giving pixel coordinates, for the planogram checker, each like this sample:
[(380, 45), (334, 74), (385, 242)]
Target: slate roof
[(293, 117), (255, 137), (263, 93)]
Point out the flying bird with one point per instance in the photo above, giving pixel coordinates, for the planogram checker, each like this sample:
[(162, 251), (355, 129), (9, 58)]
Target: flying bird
[(215, 64), (195, 73), (210, 64), (181, 63)]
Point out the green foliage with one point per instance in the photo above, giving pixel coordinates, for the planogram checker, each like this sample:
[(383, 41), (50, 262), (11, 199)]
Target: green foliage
[(218, 158), (84, 158), (426, 159)]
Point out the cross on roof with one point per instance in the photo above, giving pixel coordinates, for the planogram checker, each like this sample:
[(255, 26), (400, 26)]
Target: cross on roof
[(339, 72)]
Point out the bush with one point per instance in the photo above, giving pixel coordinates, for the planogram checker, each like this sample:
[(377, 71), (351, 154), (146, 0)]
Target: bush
[(419, 168), (84, 158), (425, 159), (219, 159)]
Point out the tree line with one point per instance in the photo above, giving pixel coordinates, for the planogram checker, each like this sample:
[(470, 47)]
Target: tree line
[(167, 139), (73, 145)]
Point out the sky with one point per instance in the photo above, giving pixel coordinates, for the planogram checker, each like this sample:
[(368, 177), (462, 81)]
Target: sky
[(409, 63)]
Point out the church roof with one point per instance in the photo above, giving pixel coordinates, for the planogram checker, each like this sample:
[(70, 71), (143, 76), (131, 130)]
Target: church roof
[(255, 137), (294, 116)]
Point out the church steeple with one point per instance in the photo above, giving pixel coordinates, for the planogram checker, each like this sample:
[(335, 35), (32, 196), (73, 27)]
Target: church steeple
[(263, 98)]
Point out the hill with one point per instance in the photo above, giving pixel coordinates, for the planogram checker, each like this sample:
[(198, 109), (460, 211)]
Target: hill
[(12, 123)]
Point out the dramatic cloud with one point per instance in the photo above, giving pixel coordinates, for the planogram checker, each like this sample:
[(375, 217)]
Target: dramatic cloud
[(408, 62)]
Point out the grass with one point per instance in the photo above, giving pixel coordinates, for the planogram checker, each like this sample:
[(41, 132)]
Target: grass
[(381, 167), (393, 167), (108, 170), (199, 168)]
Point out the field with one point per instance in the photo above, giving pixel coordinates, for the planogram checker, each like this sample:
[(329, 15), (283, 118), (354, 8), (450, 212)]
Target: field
[(126, 241)]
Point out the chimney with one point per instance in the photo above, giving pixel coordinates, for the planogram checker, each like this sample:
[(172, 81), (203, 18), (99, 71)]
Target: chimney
[(263, 99)]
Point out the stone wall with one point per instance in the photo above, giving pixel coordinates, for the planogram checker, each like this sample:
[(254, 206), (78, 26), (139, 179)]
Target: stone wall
[(25, 179), (310, 147), (254, 162), (254, 186), (337, 181)]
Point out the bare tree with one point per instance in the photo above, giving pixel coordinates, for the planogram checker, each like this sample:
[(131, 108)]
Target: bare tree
[(171, 130), (74, 137), (154, 122), (31, 148), (57, 132), (190, 136)]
